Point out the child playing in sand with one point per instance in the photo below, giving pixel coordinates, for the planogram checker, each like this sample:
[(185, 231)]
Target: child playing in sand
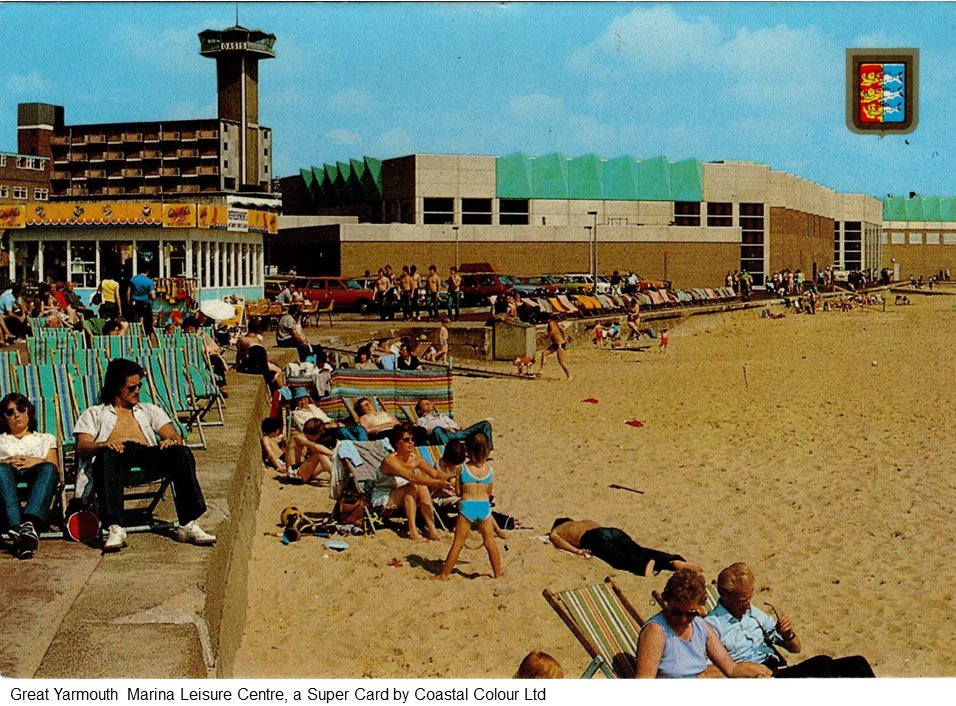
[(476, 485), (663, 339), (273, 444), (599, 334), (305, 457)]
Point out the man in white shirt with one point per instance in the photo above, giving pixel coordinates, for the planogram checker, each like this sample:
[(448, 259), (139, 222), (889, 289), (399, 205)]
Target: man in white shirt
[(119, 434), (440, 428)]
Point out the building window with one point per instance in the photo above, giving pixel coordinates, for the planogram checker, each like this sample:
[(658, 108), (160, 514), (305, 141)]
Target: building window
[(898, 238), (852, 245), (265, 169), (3, 160), (225, 164), (720, 215), (476, 212), (225, 146), (687, 213), (41, 194), (437, 210), (949, 238), (4, 192), (265, 151), (20, 192), (751, 240), (916, 238), (513, 212), (932, 238)]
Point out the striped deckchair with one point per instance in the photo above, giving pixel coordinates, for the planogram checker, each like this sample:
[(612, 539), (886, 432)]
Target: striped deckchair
[(392, 388), (167, 392), (567, 304), (8, 361), (605, 623)]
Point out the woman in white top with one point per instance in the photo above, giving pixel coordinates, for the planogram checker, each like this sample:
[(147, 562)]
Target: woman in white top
[(30, 456)]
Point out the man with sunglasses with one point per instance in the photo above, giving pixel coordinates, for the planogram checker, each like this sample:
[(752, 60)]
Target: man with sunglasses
[(121, 433), (750, 635)]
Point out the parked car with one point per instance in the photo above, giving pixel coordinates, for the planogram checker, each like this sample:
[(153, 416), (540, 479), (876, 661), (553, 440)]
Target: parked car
[(583, 283), (275, 284), (348, 293), (476, 287), (537, 285)]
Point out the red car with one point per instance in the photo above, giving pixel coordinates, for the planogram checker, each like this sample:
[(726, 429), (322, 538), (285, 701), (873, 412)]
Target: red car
[(348, 293)]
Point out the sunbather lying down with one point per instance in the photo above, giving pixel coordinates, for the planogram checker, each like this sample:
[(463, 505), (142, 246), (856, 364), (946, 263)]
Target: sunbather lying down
[(587, 537)]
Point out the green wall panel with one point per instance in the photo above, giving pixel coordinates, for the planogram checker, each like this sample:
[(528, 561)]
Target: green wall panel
[(513, 176), (620, 179), (586, 177), (550, 177)]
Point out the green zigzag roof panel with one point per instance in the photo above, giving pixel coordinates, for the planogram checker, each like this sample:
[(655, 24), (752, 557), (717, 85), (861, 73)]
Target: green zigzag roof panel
[(321, 185), (654, 179), (624, 178), (586, 177), (550, 177), (920, 208), (308, 179), (687, 180), (513, 176), (373, 177), (620, 179)]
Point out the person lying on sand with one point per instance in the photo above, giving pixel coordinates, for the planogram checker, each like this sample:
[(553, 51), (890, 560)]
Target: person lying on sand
[(587, 537)]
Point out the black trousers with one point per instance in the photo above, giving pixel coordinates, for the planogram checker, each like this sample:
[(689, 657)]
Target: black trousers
[(824, 667), (143, 310), (111, 474), (620, 551)]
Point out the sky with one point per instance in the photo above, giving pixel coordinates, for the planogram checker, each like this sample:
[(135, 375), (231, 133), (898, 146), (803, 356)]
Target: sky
[(760, 82)]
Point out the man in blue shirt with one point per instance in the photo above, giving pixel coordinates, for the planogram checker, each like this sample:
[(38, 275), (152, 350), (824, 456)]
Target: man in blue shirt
[(750, 635), (142, 291)]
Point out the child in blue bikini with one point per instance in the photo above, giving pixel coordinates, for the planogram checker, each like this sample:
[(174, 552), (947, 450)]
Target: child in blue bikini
[(475, 483)]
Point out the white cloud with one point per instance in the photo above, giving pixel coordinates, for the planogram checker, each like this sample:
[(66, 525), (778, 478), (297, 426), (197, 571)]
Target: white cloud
[(649, 39), (873, 40), (30, 83), (535, 106), (346, 137), (352, 101)]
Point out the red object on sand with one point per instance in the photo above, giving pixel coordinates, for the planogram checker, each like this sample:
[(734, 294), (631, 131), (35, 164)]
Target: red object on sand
[(82, 526), (590, 400), (634, 423)]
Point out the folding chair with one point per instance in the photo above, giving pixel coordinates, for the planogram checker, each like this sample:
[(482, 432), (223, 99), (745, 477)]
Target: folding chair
[(605, 623), (169, 394)]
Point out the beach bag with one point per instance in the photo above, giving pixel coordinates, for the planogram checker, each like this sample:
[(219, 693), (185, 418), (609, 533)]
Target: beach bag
[(350, 508)]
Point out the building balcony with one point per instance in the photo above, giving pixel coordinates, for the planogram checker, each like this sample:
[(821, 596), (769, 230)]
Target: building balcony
[(114, 190), (188, 152), (74, 157), (59, 140), (188, 189), (209, 170), (152, 154), (115, 138), (98, 157), (78, 191), (114, 156), (169, 136), (97, 173), (58, 175), (169, 171), (190, 174), (61, 160), (208, 134), (132, 172), (151, 175), (114, 176), (152, 190), (209, 154), (132, 137), (189, 136), (79, 140), (79, 177), (151, 137), (96, 139), (134, 156)]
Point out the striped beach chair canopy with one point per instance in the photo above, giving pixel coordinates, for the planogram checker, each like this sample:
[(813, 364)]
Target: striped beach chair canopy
[(392, 388)]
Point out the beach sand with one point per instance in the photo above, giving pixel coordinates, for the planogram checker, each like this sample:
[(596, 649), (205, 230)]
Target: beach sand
[(830, 475)]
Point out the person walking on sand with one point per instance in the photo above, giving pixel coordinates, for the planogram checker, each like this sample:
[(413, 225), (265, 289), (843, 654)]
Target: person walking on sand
[(558, 343), (664, 341), (476, 483)]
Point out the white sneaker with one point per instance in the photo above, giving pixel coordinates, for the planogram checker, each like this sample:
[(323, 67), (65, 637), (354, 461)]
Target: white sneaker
[(194, 534), (115, 539)]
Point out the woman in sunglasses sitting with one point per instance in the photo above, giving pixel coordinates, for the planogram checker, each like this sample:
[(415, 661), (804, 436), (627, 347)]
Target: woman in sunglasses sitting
[(676, 642), (30, 456)]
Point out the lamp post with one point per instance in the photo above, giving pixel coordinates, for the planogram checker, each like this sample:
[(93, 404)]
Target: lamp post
[(590, 232), (593, 214), (455, 228)]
